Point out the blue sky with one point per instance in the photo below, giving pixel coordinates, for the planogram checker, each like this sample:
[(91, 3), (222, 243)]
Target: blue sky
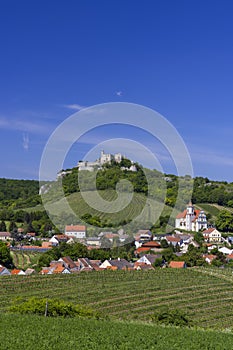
[(172, 56)]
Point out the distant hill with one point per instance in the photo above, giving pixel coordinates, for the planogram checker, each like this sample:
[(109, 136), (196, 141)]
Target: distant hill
[(165, 190)]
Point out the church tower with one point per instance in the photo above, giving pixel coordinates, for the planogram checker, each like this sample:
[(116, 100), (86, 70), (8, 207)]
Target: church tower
[(189, 216)]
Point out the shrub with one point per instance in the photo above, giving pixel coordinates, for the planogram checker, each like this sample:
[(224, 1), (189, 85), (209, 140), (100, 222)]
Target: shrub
[(171, 317), (51, 308)]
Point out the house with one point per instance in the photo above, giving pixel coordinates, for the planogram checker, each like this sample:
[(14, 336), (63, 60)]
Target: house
[(55, 267), (5, 236), (4, 271), (30, 236), (69, 263), (84, 264), (148, 259), (56, 239), (209, 258), (177, 264), (142, 236), (116, 264), (30, 271), (174, 241), (18, 272), (48, 245), (151, 245), (93, 241), (142, 266), (141, 250), (212, 235), (109, 235), (225, 250), (77, 231), (191, 219)]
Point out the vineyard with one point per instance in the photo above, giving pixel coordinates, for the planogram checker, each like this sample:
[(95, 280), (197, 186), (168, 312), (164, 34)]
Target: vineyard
[(40, 333), (128, 213), (23, 260), (205, 295)]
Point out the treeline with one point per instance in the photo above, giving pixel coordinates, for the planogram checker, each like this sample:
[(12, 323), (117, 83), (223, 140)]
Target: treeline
[(207, 191), (19, 193), (36, 221)]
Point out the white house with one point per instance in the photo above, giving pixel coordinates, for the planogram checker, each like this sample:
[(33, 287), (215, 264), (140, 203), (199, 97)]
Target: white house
[(77, 231), (4, 271), (212, 235), (191, 219), (5, 236)]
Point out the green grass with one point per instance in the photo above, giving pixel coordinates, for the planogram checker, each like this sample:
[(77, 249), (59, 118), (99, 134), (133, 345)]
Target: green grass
[(206, 297), (40, 333)]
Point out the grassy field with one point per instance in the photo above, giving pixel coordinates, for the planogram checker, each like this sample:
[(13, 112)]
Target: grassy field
[(40, 333), (206, 296)]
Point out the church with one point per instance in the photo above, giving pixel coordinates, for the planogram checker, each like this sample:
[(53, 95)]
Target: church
[(191, 219)]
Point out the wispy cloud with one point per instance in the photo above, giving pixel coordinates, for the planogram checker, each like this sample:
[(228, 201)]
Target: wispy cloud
[(74, 106), (26, 142), (23, 125), (119, 93)]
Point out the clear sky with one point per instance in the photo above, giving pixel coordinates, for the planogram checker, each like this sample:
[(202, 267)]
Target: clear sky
[(175, 57)]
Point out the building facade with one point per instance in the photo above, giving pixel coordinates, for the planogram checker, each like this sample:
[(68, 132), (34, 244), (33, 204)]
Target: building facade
[(191, 219)]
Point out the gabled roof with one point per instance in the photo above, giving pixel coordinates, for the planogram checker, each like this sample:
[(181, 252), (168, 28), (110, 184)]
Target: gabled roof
[(209, 230), (15, 271), (141, 249), (5, 234), (71, 228), (177, 264), (120, 263), (70, 263), (173, 239), (183, 214), (151, 244)]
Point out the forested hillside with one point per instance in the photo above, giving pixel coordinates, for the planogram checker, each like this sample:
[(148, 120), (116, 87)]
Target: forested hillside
[(18, 193)]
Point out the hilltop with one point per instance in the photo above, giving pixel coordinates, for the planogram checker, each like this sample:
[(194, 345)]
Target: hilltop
[(162, 190)]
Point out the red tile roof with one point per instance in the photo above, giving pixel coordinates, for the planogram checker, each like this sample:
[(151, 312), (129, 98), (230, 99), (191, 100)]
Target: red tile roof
[(71, 228), (15, 272), (209, 230), (184, 213), (177, 264), (151, 244), (172, 239)]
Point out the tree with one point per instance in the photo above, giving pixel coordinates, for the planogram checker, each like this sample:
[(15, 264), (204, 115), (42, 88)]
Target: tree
[(12, 226), (224, 221), (5, 257), (2, 226)]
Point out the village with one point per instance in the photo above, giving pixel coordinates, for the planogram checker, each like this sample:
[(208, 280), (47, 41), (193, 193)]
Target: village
[(148, 251)]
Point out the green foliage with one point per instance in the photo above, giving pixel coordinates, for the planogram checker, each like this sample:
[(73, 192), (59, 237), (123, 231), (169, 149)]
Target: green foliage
[(2, 226), (43, 333), (50, 308), (224, 221), (18, 193), (47, 257), (5, 257), (171, 317)]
